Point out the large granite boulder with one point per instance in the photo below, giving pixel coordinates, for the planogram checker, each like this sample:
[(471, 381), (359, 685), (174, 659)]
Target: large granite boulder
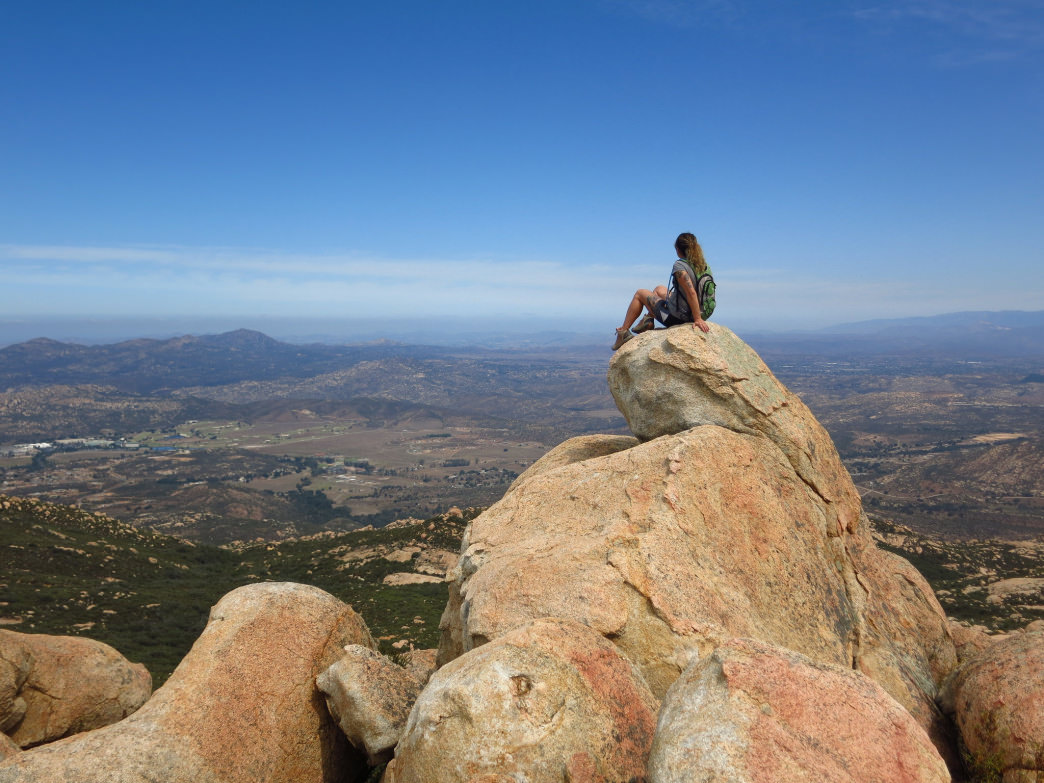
[(997, 697), (549, 701), (671, 380), (55, 686), (747, 526), (370, 697), (241, 706), (751, 712)]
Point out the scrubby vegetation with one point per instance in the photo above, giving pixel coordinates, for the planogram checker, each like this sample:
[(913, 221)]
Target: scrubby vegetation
[(994, 584), (67, 571)]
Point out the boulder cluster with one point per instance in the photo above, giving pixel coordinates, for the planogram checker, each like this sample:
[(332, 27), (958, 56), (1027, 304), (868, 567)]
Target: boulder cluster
[(700, 602)]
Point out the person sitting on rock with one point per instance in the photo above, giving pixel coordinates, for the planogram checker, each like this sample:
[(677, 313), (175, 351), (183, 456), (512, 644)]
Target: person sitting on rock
[(679, 304)]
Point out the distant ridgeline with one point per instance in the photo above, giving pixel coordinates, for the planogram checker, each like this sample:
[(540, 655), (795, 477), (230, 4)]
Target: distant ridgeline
[(150, 366)]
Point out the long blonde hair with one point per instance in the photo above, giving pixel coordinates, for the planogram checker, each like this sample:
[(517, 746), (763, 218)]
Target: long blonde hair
[(689, 249)]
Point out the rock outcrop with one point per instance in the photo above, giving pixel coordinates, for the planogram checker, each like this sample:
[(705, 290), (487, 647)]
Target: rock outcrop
[(549, 701), (370, 698), (750, 712), (736, 520), (997, 698), (55, 686), (241, 706), (15, 665)]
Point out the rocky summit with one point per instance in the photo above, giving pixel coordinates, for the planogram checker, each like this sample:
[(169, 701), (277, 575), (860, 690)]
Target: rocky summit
[(700, 602)]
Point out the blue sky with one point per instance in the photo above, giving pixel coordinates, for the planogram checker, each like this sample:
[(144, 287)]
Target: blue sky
[(528, 162)]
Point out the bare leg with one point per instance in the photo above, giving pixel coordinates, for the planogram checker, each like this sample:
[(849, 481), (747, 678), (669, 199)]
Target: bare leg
[(643, 297)]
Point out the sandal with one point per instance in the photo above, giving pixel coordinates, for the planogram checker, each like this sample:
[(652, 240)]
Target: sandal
[(645, 325), (622, 336)]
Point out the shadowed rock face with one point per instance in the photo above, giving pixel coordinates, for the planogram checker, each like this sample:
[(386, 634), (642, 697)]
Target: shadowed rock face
[(997, 697), (552, 700), (241, 706), (752, 712), (742, 524), (54, 686)]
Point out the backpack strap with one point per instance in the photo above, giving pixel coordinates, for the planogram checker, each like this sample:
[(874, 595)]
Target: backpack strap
[(682, 307)]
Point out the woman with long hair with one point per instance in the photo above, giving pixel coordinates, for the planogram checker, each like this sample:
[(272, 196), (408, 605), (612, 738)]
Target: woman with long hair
[(678, 304)]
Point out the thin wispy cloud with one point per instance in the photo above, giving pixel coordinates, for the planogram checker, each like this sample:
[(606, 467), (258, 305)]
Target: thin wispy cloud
[(984, 31), (221, 280)]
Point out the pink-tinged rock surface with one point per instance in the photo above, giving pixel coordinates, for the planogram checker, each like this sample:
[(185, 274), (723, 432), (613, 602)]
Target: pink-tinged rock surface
[(998, 698), (744, 525), (752, 713), (70, 684), (241, 706), (970, 640), (549, 701)]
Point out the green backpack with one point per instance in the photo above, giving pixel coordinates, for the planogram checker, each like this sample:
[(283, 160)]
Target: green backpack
[(705, 290)]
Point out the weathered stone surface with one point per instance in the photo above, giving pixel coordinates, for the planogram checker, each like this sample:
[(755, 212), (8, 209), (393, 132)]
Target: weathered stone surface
[(670, 380), (65, 685), (750, 712), (577, 449), (15, 664), (549, 701), (8, 747), (998, 697), (241, 706), (370, 697), (435, 562), (969, 641), (421, 665), (746, 527), (410, 578), (905, 641)]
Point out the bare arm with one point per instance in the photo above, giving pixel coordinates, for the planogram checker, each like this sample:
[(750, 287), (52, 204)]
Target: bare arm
[(689, 291)]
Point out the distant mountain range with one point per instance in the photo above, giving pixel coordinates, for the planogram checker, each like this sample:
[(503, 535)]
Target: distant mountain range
[(154, 366), (970, 335)]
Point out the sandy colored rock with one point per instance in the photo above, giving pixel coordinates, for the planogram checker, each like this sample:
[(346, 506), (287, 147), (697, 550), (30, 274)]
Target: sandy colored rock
[(72, 684), (669, 380), (906, 643), (674, 546), (1022, 586), (750, 712), (436, 562), (421, 665), (8, 747), (578, 449), (404, 555), (410, 578), (547, 702), (998, 698), (241, 706), (370, 697), (15, 664)]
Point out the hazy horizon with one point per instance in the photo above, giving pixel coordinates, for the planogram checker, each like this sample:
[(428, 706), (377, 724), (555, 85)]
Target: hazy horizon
[(457, 332)]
